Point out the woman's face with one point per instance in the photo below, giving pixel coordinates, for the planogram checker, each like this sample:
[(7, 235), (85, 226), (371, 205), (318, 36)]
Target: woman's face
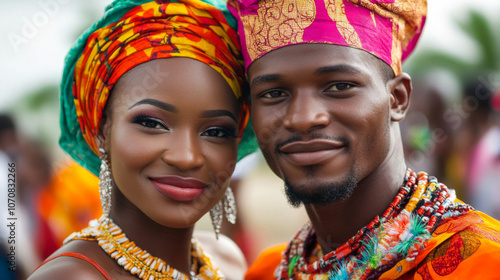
[(170, 135)]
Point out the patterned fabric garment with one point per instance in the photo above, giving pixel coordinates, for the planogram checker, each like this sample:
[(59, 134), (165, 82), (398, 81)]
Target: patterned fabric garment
[(387, 29), (133, 32), (401, 244)]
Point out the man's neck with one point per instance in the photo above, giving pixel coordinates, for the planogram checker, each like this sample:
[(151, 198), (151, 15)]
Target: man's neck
[(335, 223)]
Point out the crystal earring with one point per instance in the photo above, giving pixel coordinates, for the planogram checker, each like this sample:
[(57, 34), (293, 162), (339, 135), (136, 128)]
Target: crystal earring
[(216, 217), (228, 205), (105, 184)]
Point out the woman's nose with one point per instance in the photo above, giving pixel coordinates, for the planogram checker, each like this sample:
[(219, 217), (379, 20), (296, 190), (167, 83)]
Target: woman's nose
[(184, 152)]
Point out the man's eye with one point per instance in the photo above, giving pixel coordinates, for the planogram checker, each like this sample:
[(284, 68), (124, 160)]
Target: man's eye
[(273, 94), (340, 87)]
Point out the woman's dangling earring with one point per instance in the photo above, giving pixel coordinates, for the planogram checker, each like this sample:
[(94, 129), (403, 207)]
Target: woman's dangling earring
[(105, 184), (216, 217), (228, 205)]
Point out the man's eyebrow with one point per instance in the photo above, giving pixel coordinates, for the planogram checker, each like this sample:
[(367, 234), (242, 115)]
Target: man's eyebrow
[(156, 103), (217, 113), (265, 79), (343, 68)]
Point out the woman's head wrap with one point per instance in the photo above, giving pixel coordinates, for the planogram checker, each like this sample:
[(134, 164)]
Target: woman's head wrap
[(388, 29), (133, 32)]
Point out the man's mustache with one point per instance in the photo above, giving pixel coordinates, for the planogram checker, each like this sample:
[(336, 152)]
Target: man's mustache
[(299, 138)]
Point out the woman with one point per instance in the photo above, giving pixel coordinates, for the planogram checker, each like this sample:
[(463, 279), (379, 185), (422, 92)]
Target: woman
[(140, 91)]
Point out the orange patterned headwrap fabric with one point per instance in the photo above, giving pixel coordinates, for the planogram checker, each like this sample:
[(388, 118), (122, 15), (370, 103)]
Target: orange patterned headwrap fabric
[(150, 31), (388, 29), (133, 32)]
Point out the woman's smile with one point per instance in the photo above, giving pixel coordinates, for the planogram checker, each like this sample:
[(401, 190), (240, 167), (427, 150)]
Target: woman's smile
[(179, 188)]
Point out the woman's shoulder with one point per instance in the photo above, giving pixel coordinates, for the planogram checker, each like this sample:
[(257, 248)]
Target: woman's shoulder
[(224, 253), (73, 261)]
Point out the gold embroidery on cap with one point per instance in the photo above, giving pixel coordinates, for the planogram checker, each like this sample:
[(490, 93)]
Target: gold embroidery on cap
[(277, 23), (336, 11), (406, 17)]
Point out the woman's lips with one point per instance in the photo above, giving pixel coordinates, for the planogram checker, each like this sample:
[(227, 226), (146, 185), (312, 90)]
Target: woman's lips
[(179, 188), (311, 152)]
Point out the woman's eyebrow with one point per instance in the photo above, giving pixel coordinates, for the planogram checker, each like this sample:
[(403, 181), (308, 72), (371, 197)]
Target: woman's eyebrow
[(156, 103), (217, 113)]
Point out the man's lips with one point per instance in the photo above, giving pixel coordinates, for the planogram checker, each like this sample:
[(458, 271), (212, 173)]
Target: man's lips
[(178, 188), (311, 152), (313, 145)]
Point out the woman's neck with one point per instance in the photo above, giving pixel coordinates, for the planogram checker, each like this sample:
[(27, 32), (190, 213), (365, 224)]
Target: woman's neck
[(172, 245)]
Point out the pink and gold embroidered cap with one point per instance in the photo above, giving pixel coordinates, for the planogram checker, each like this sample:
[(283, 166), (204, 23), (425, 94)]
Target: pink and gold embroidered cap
[(388, 29)]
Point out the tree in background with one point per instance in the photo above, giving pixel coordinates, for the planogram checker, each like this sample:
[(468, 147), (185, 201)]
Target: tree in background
[(482, 32)]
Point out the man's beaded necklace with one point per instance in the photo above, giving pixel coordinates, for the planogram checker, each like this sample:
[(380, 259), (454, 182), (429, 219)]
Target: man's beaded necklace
[(399, 233), (139, 262)]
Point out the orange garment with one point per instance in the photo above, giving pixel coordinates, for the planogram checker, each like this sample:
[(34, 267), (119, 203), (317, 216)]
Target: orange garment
[(265, 264), (467, 247), (70, 201)]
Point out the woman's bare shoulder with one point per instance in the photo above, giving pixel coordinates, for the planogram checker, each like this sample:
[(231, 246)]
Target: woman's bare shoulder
[(225, 254), (69, 268), (77, 260)]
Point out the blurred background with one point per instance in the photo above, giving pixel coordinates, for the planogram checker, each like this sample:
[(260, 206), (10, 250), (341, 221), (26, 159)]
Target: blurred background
[(452, 130)]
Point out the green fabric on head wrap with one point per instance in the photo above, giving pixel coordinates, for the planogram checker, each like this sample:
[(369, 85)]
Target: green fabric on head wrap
[(71, 140)]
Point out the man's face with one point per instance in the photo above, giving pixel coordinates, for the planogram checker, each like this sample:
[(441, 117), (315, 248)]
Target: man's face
[(321, 114)]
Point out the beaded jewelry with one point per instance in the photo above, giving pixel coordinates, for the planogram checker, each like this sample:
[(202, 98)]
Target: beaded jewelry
[(400, 233), (139, 262)]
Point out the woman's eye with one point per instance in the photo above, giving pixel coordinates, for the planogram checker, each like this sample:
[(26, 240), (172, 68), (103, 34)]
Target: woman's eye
[(219, 132), (273, 94), (340, 87), (149, 122)]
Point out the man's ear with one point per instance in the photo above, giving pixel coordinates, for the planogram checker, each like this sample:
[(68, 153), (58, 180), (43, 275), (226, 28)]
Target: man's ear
[(400, 89)]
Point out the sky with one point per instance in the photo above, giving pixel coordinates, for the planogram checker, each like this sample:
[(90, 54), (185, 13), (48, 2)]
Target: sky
[(36, 35)]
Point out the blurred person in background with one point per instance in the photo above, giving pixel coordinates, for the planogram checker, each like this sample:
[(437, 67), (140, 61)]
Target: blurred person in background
[(7, 136), (34, 239), (478, 145), (427, 137)]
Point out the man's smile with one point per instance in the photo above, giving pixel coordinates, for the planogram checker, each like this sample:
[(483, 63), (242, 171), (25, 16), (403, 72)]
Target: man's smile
[(311, 152)]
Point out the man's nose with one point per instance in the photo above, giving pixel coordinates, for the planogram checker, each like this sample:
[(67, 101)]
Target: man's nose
[(306, 113)]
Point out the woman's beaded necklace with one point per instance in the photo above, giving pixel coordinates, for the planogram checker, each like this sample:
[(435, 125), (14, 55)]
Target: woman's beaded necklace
[(413, 214), (139, 262)]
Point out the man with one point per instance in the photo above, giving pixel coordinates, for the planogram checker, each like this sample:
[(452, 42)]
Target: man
[(327, 97)]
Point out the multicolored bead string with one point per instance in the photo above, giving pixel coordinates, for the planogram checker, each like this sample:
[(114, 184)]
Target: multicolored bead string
[(414, 213), (139, 262)]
